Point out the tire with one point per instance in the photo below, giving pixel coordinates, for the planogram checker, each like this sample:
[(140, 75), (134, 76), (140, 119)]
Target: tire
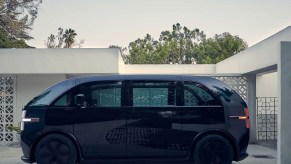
[(213, 149), (55, 149)]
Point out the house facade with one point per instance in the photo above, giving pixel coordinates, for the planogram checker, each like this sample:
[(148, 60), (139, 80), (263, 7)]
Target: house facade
[(254, 73)]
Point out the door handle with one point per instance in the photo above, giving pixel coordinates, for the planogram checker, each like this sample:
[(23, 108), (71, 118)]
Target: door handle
[(167, 114)]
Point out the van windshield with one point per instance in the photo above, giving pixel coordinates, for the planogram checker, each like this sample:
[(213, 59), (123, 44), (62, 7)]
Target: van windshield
[(51, 93)]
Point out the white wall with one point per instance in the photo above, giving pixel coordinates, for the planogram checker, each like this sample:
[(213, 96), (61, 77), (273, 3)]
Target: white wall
[(267, 85), (29, 86), (59, 61), (201, 69), (284, 121), (264, 54)]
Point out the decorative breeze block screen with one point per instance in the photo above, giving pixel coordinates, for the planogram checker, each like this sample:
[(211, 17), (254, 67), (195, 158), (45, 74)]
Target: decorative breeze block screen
[(237, 83), (7, 98)]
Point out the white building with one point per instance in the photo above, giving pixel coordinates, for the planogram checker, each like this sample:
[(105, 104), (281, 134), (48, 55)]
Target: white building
[(262, 70)]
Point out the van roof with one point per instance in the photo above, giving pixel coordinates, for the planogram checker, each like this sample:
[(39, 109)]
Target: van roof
[(85, 79)]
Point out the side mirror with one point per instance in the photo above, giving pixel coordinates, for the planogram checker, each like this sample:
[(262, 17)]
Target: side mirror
[(80, 100)]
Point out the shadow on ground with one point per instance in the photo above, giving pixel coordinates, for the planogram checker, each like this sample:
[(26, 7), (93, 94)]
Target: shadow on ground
[(11, 155)]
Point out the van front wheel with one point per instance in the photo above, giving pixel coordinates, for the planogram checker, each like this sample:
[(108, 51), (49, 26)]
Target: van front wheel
[(213, 149), (56, 149)]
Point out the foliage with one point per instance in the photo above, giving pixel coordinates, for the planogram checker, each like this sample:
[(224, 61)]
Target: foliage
[(218, 48), (51, 43), (180, 43), (176, 46), (143, 51), (63, 40), (183, 46), (17, 17), (6, 42), (13, 128), (69, 37)]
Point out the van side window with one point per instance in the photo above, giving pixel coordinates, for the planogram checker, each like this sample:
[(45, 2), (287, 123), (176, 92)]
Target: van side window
[(65, 101), (154, 94), (106, 94), (195, 95)]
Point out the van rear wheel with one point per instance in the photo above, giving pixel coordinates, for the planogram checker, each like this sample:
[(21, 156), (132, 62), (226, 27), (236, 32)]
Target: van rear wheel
[(213, 149), (55, 149)]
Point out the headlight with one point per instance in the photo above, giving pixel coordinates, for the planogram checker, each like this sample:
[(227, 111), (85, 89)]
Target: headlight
[(22, 117)]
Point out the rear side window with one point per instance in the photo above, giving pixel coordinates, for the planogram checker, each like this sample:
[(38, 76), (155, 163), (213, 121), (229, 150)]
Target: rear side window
[(227, 94), (103, 94), (197, 95), (153, 93)]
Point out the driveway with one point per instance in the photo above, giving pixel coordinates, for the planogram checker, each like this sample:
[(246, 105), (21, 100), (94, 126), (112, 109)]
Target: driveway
[(258, 155)]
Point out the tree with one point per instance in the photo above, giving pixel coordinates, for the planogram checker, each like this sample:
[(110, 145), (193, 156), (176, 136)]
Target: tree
[(184, 46), (69, 37), (16, 20), (51, 40), (143, 51), (63, 40), (218, 48), (173, 47), (17, 17), (6, 42), (180, 43)]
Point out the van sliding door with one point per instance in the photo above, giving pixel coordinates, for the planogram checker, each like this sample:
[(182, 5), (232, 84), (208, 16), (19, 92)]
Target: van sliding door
[(152, 118)]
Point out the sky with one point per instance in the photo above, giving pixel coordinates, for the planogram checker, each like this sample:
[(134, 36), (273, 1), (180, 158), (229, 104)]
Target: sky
[(118, 22)]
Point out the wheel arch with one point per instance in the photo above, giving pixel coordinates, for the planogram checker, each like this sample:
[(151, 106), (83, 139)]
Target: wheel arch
[(64, 133), (220, 132)]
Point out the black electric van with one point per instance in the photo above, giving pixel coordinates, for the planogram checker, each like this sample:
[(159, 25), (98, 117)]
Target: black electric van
[(136, 117)]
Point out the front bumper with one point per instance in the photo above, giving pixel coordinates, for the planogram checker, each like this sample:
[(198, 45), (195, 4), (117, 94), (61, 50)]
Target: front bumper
[(242, 156), (26, 153), (25, 159)]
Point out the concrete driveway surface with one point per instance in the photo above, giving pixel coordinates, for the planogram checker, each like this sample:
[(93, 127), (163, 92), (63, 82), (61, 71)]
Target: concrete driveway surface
[(258, 154)]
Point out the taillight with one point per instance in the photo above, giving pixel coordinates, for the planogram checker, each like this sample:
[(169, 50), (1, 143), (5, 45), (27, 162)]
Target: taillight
[(247, 118)]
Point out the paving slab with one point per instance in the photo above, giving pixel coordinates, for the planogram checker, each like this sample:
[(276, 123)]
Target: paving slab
[(11, 155), (257, 153)]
